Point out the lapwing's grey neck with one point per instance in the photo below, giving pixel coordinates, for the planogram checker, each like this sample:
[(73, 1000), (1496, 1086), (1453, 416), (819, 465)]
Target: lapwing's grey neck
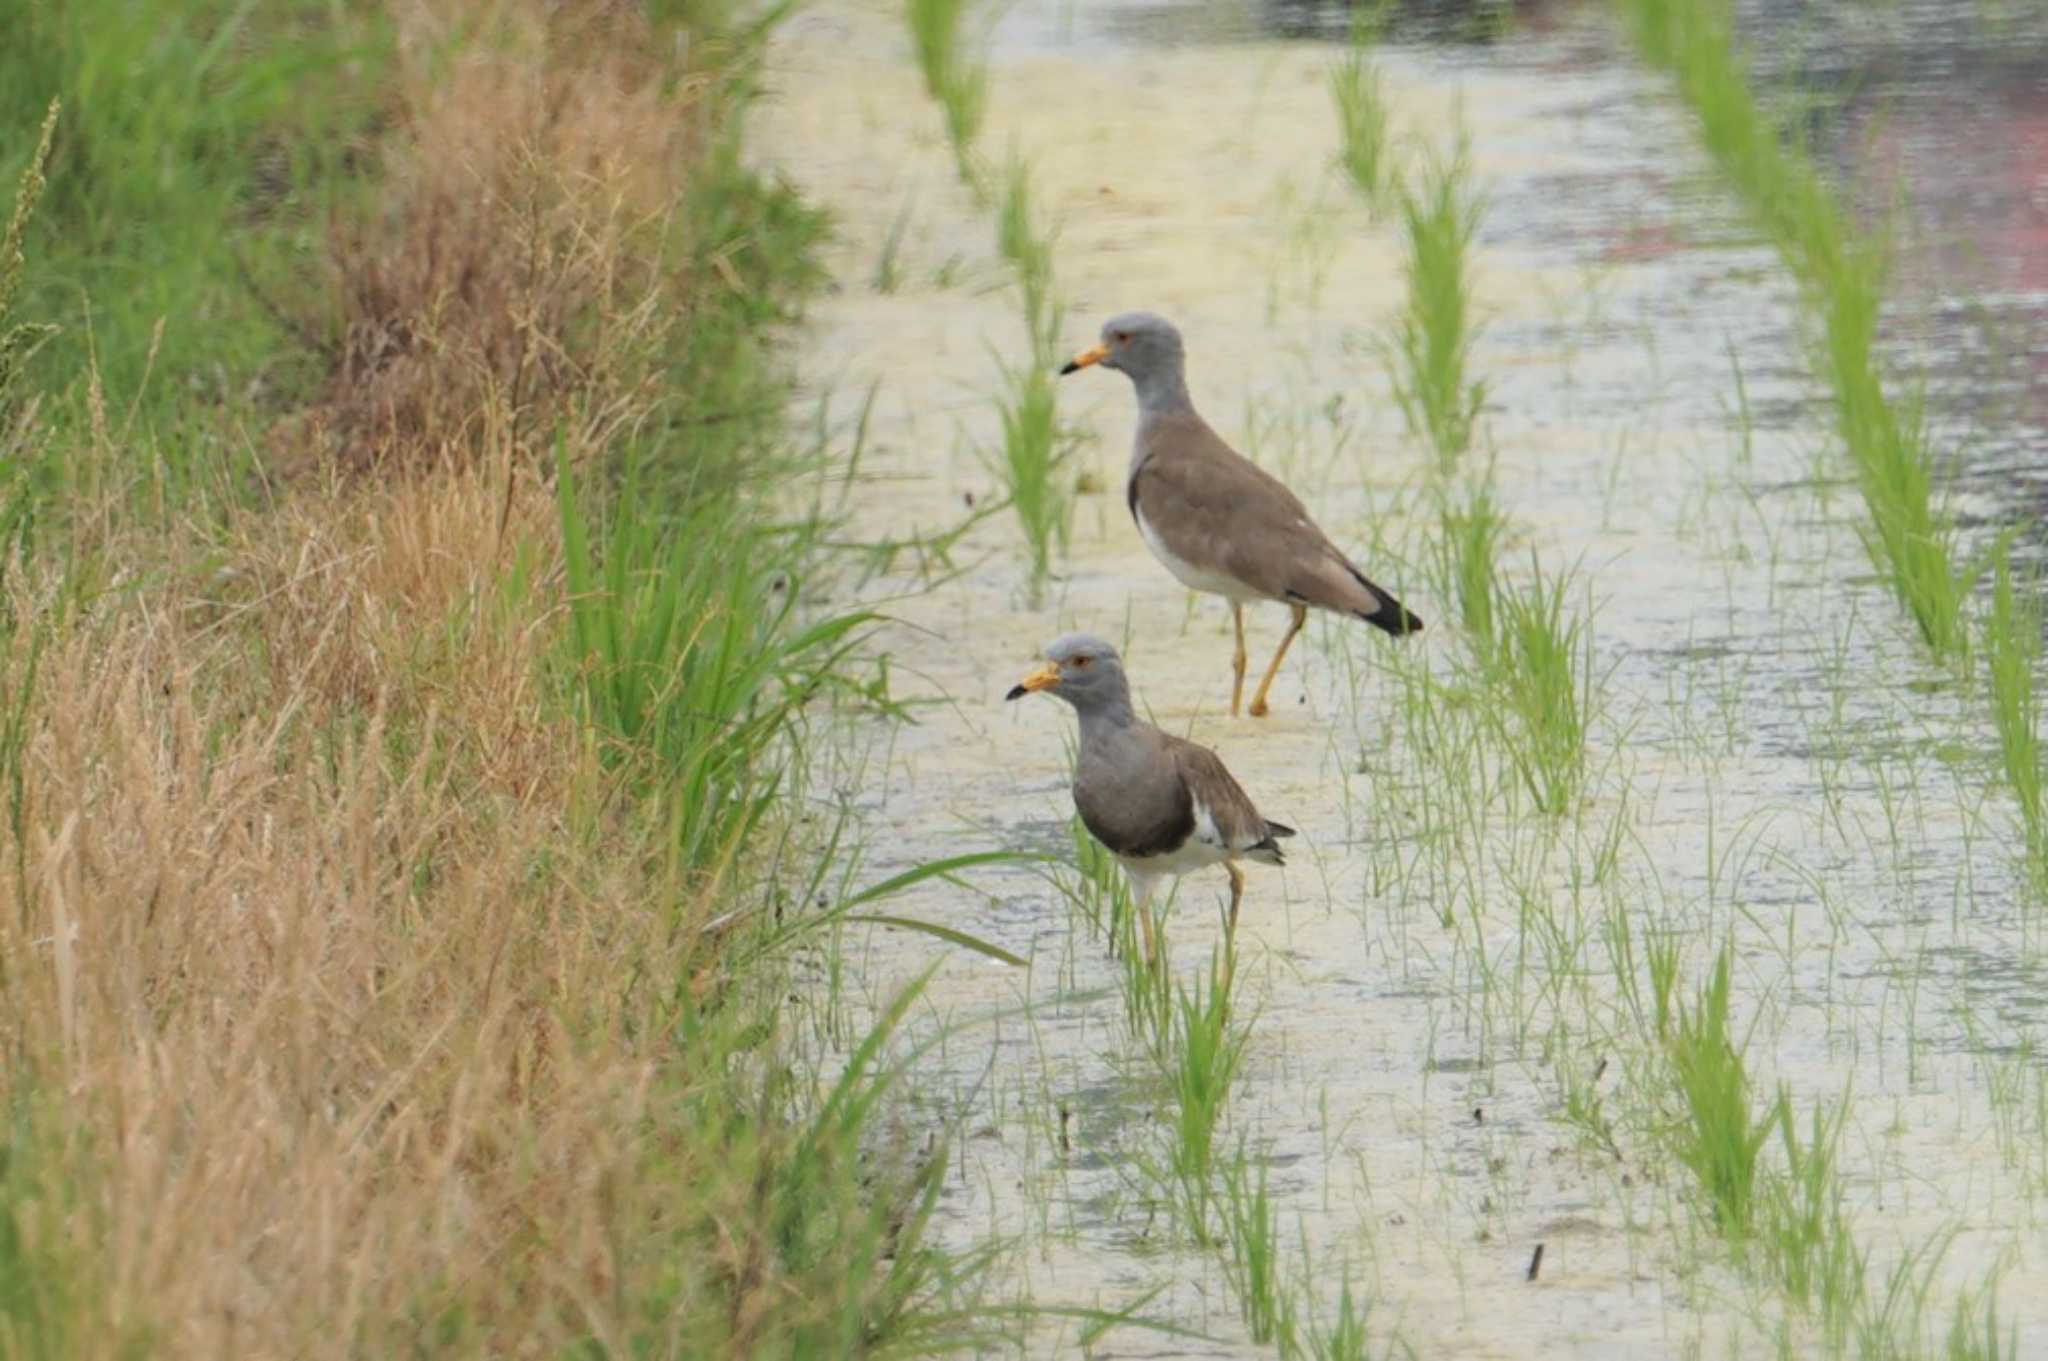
[(1161, 397), (1162, 392), (1106, 717)]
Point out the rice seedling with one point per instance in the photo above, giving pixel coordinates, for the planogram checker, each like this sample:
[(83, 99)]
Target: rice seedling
[(1028, 247), (2012, 647), (1345, 1337), (1543, 664), (1803, 1241), (1891, 1324), (1035, 448), (1253, 1229), (1973, 1330), (1469, 547), (1201, 1063), (1432, 340), (1722, 1136), (955, 78), (1033, 467), (1101, 892), (1304, 236), (1364, 149), (1911, 538)]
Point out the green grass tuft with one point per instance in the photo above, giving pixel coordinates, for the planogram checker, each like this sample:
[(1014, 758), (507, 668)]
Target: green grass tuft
[(1253, 1227), (181, 121), (1363, 129), (1543, 666), (1722, 1135), (1033, 467), (955, 78), (1469, 544), (1028, 247), (1202, 1063), (692, 665), (1432, 341), (2012, 646)]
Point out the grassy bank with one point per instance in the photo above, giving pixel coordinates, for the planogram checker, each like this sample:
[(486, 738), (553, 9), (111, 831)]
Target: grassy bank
[(396, 940)]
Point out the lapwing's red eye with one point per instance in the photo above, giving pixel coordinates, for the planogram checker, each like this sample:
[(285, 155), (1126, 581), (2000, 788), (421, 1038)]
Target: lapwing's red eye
[(1081, 661), (1120, 337)]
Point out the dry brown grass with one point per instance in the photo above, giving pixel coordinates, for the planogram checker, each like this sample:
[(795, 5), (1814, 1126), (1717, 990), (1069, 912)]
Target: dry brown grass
[(346, 995), (284, 940), (526, 254)]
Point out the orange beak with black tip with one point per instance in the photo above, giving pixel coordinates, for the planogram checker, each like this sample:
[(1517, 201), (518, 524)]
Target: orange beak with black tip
[(1044, 678), (1084, 359)]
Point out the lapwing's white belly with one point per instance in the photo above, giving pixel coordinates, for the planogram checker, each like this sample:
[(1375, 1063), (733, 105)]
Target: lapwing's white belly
[(1186, 860), (1191, 576)]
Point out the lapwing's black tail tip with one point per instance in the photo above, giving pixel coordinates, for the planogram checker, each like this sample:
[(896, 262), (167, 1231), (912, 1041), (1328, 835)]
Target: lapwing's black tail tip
[(1268, 852), (1393, 617), (1390, 615)]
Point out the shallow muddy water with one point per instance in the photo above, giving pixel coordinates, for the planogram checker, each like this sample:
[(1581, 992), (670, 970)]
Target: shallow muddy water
[(1773, 762)]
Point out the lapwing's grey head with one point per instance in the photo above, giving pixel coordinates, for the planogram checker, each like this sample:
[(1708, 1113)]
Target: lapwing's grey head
[(1081, 669), (1144, 345)]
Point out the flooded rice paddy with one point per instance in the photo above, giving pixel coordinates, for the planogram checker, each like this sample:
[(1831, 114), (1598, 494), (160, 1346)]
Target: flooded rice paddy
[(1452, 1051)]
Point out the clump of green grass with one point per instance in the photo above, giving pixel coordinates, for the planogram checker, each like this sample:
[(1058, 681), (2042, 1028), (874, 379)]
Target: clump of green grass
[(1253, 1228), (18, 341), (1345, 1338), (1362, 125), (52, 1300), (1543, 665), (1202, 1060), (691, 663), (955, 78), (2012, 646), (1035, 449), (1028, 247), (1803, 1240), (1033, 466), (1469, 546), (1433, 339), (1722, 1135), (197, 141)]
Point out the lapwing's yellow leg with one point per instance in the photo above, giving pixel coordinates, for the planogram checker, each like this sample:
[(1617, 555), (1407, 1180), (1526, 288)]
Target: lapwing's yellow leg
[(1259, 700), (1230, 922), (1237, 662), (1236, 899)]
